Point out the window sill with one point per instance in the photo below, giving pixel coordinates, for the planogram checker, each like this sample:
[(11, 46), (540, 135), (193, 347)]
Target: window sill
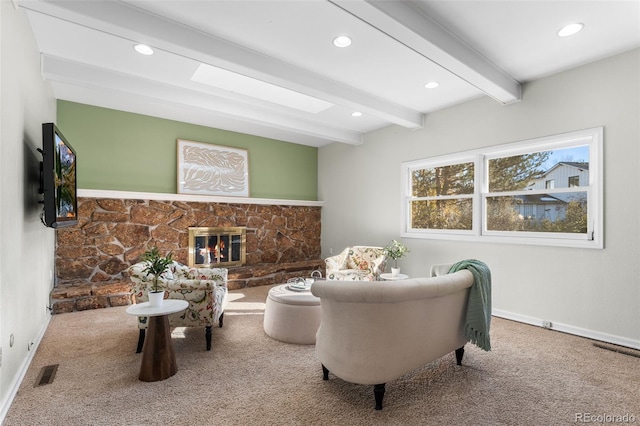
[(529, 241)]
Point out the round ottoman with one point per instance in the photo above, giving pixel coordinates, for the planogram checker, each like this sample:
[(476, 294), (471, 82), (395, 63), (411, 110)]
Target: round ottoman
[(292, 316)]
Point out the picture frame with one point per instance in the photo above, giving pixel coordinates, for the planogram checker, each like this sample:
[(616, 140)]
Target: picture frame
[(206, 169)]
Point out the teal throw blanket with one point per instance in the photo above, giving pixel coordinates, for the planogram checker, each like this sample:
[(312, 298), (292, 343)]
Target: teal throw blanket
[(478, 316)]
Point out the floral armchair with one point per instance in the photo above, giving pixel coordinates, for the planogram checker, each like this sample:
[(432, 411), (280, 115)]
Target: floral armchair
[(204, 288), (357, 263)]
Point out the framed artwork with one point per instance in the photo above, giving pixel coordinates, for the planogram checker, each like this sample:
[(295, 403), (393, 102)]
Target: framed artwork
[(207, 169)]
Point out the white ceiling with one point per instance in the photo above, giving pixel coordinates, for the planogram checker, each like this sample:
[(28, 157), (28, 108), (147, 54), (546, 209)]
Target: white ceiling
[(472, 48)]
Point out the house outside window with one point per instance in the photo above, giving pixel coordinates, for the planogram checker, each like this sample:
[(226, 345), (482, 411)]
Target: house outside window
[(510, 193)]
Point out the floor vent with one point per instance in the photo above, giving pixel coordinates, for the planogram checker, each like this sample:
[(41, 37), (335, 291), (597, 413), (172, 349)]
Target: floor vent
[(619, 349), (47, 374)]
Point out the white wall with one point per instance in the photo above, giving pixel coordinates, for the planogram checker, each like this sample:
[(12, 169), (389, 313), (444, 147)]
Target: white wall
[(594, 293), (26, 246)]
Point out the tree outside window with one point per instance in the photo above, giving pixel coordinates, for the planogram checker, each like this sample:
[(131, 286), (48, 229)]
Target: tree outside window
[(442, 197), (511, 193)]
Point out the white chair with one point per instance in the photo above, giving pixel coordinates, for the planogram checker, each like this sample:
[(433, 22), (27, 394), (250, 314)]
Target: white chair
[(357, 263), (204, 288)]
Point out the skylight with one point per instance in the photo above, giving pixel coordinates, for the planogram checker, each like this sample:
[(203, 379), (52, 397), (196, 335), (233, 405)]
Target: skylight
[(238, 83)]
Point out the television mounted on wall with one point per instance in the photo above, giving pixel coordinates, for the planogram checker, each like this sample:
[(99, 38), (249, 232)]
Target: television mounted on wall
[(58, 179)]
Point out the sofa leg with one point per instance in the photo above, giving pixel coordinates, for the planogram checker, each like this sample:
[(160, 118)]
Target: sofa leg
[(221, 320), (459, 354), (378, 393), (207, 335), (140, 341), (325, 373)]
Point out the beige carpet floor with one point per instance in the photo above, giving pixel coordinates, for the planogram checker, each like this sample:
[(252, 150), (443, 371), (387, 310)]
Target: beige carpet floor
[(532, 376)]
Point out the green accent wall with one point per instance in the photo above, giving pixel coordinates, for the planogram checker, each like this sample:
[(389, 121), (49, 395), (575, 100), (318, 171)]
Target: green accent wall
[(123, 151)]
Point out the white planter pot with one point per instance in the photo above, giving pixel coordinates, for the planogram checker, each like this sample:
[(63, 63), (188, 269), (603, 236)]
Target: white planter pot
[(395, 272), (156, 298)]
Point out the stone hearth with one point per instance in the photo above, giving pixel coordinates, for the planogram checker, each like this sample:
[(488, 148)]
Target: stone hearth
[(92, 258), (70, 297)]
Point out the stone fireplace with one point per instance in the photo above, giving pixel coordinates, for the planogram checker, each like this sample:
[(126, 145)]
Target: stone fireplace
[(217, 247)]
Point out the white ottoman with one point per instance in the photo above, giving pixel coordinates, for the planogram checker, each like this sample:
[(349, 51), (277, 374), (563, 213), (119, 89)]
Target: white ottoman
[(292, 316)]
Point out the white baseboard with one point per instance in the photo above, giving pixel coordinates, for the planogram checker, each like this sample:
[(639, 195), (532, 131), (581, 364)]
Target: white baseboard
[(17, 379), (569, 329)]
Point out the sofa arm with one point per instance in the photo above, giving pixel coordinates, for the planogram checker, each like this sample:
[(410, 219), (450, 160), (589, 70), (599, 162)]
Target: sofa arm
[(377, 267), (337, 262), (442, 269), (207, 299)]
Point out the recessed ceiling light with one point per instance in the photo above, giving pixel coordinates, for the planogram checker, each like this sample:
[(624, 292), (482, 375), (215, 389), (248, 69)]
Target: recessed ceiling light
[(356, 114), (143, 49), (432, 85), (342, 41), (570, 29)]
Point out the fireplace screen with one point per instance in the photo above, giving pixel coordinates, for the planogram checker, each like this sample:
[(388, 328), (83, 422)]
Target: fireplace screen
[(216, 247)]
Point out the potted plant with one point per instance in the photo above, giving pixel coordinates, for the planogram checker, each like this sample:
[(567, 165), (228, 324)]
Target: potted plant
[(156, 265), (395, 250)]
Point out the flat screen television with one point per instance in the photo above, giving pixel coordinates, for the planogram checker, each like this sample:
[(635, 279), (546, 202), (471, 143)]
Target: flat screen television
[(58, 179)]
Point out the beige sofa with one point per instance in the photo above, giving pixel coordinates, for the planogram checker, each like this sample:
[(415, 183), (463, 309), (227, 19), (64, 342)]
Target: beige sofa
[(374, 332)]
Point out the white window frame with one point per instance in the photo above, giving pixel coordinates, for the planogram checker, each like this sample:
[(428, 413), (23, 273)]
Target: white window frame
[(594, 238), (438, 162)]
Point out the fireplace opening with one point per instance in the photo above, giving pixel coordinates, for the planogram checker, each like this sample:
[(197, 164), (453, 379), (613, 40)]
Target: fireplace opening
[(217, 247)]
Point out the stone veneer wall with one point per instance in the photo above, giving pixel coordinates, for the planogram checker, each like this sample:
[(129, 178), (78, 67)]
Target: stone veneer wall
[(92, 258)]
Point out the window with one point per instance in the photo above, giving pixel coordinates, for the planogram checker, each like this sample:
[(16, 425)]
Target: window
[(442, 197), (510, 193)]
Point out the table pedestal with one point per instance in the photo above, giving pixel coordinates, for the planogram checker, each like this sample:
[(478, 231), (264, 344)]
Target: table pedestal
[(158, 358)]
